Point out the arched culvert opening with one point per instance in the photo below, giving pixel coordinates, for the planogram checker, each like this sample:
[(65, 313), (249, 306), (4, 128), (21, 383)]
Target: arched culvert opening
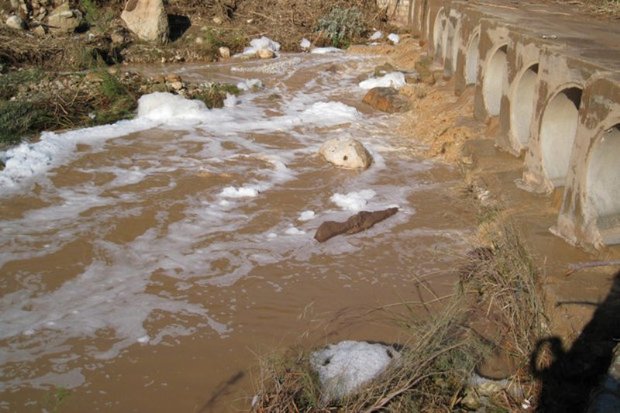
[(557, 133), (603, 178), (445, 36), (438, 33), (454, 47), (495, 79), (523, 104), (471, 59)]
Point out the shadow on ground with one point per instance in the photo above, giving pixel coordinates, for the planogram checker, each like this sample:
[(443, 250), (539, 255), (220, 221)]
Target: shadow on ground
[(568, 381)]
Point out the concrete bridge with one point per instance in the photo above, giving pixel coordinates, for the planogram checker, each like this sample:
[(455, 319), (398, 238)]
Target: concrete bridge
[(551, 77)]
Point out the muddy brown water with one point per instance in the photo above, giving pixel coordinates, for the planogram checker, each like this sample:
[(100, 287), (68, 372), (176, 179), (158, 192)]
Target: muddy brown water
[(147, 267)]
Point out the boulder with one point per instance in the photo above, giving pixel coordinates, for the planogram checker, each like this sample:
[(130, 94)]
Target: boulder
[(16, 22), (345, 367), (386, 99), (346, 153), (357, 223), (64, 20), (147, 19)]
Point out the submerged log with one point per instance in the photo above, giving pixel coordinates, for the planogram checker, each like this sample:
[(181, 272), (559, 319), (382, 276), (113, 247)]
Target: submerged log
[(357, 223)]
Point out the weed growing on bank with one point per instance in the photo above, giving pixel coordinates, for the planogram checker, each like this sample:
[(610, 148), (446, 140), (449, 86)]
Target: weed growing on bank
[(105, 101), (342, 26), (214, 95), (441, 352)]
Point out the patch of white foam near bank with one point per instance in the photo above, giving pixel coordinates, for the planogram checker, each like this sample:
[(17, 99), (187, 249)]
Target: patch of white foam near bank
[(261, 43), (376, 36), (31, 159), (326, 50), (345, 367), (394, 38), (353, 201), (393, 79)]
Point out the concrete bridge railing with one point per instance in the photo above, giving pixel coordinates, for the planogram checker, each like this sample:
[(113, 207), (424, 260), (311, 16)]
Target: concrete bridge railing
[(552, 79)]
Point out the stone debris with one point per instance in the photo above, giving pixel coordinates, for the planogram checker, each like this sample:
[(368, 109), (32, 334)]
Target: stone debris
[(386, 99), (16, 22), (346, 153), (359, 222)]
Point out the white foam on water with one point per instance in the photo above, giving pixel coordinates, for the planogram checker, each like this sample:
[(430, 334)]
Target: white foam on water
[(326, 50), (376, 35), (262, 43), (393, 79), (243, 192), (394, 38), (250, 84), (353, 201), (294, 231), (306, 216), (346, 366)]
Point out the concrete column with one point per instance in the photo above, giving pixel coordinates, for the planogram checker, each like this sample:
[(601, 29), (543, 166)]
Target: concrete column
[(590, 212)]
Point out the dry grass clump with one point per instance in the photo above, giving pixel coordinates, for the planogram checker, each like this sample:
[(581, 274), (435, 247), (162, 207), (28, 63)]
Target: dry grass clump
[(504, 278)]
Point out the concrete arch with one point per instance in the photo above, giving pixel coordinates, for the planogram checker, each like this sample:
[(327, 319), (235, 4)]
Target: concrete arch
[(603, 177), (472, 58), (523, 102), (495, 80), (455, 43), (558, 128), (438, 33)]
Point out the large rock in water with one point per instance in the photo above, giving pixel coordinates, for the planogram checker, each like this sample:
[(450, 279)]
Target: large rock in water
[(346, 153), (357, 223), (147, 19), (386, 99)]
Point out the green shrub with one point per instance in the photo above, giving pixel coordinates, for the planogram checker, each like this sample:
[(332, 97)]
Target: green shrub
[(20, 119), (342, 25), (10, 82)]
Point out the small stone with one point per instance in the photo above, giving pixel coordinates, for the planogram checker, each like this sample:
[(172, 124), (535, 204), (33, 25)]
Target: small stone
[(249, 21), (224, 52), (16, 22), (199, 40), (177, 85), (265, 54), (217, 20), (118, 37), (173, 77), (39, 31)]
